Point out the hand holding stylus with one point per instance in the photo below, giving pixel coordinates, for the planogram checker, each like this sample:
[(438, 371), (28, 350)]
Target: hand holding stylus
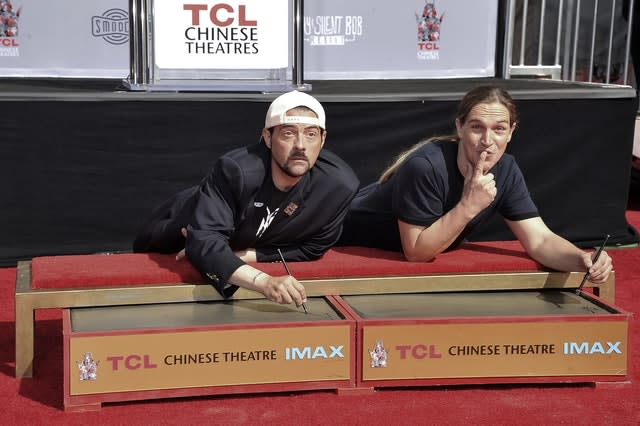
[(597, 256), (286, 267)]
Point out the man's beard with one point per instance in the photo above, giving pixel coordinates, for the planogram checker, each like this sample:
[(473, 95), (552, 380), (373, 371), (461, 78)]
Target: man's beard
[(287, 170)]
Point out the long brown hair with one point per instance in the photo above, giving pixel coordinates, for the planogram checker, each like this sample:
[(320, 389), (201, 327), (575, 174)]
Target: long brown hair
[(478, 95)]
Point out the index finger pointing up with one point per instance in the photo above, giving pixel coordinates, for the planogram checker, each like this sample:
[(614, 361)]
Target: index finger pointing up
[(479, 170)]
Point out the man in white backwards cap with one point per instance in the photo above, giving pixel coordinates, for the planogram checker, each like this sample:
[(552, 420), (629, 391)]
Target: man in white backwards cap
[(285, 193)]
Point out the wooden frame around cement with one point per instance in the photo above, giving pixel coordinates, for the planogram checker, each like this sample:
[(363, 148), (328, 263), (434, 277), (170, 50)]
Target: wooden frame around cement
[(28, 300)]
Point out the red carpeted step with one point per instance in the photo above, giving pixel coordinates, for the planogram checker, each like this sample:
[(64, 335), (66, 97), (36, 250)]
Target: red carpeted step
[(101, 270)]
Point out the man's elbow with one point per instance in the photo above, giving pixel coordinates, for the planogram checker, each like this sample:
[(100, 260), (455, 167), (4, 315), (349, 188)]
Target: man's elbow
[(308, 254), (415, 256), (314, 256)]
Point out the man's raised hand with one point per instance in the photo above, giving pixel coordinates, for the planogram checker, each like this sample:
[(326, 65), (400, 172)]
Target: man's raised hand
[(479, 188)]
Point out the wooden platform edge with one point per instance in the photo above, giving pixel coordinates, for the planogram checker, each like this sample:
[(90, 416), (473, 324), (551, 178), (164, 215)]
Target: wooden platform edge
[(28, 300)]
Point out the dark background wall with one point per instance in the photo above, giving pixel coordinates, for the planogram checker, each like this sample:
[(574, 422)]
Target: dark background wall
[(78, 176)]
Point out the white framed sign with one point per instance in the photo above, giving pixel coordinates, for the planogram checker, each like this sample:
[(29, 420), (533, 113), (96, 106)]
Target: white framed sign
[(245, 34), (376, 39), (226, 39), (64, 38)]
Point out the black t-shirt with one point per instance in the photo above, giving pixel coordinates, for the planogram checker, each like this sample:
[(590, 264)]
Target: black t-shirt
[(265, 208), (224, 212), (425, 187)]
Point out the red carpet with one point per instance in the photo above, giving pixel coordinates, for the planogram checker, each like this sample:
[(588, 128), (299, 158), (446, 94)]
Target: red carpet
[(99, 270), (39, 400)]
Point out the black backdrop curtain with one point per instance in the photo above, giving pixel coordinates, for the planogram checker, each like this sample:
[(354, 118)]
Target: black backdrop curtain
[(79, 176)]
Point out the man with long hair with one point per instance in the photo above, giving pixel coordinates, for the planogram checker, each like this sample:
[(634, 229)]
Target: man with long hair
[(440, 190)]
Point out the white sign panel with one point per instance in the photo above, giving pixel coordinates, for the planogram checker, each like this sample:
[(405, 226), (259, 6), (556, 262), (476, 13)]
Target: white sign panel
[(374, 39), (64, 38), (246, 34), (355, 39)]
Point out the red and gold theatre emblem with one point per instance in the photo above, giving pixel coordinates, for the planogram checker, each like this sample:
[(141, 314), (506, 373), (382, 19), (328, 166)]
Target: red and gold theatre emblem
[(290, 209)]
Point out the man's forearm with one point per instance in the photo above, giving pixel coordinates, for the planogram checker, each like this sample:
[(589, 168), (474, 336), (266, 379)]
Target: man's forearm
[(436, 238), (249, 277), (557, 253)]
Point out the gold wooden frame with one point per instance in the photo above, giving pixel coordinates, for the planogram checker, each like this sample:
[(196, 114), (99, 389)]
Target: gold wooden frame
[(28, 300)]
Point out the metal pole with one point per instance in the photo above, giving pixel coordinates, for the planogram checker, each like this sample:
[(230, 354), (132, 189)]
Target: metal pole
[(575, 43), (138, 44), (541, 32), (613, 14), (558, 33), (593, 40), (508, 42), (298, 40), (523, 33), (145, 60), (627, 49), (133, 42), (566, 56)]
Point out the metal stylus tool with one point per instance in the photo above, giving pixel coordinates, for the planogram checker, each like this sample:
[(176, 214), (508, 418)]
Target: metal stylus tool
[(304, 306), (595, 259)]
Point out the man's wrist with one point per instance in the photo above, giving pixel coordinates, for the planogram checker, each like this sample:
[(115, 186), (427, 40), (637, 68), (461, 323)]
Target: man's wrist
[(255, 277), (466, 210)]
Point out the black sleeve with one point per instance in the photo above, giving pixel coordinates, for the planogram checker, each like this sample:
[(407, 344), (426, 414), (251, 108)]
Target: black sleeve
[(417, 195), (161, 233), (207, 245), (517, 204)]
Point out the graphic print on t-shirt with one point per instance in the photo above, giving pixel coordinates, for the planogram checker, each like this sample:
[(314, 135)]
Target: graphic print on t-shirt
[(266, 207), (266, 221)]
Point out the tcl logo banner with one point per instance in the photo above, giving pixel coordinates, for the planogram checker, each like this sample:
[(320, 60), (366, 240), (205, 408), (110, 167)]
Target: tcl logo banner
[(245, 34)]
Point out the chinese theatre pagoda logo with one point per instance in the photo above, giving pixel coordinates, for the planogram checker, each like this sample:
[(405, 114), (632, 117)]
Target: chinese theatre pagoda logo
[(88, 367), (378, 355), (429, 32), (8, 29)]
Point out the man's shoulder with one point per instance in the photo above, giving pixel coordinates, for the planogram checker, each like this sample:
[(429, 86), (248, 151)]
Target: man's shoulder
[(508, 163), (437, 154), (241, 167), (248, 159), (442, 147), (332, 159), (246, 154), (333, 168), (507, 171)]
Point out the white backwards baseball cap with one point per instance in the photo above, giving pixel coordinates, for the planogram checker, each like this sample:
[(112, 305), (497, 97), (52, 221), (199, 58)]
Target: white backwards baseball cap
[(277, 112)]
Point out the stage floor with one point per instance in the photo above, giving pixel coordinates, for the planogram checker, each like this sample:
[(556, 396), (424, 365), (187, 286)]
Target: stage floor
[(14, 89)]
